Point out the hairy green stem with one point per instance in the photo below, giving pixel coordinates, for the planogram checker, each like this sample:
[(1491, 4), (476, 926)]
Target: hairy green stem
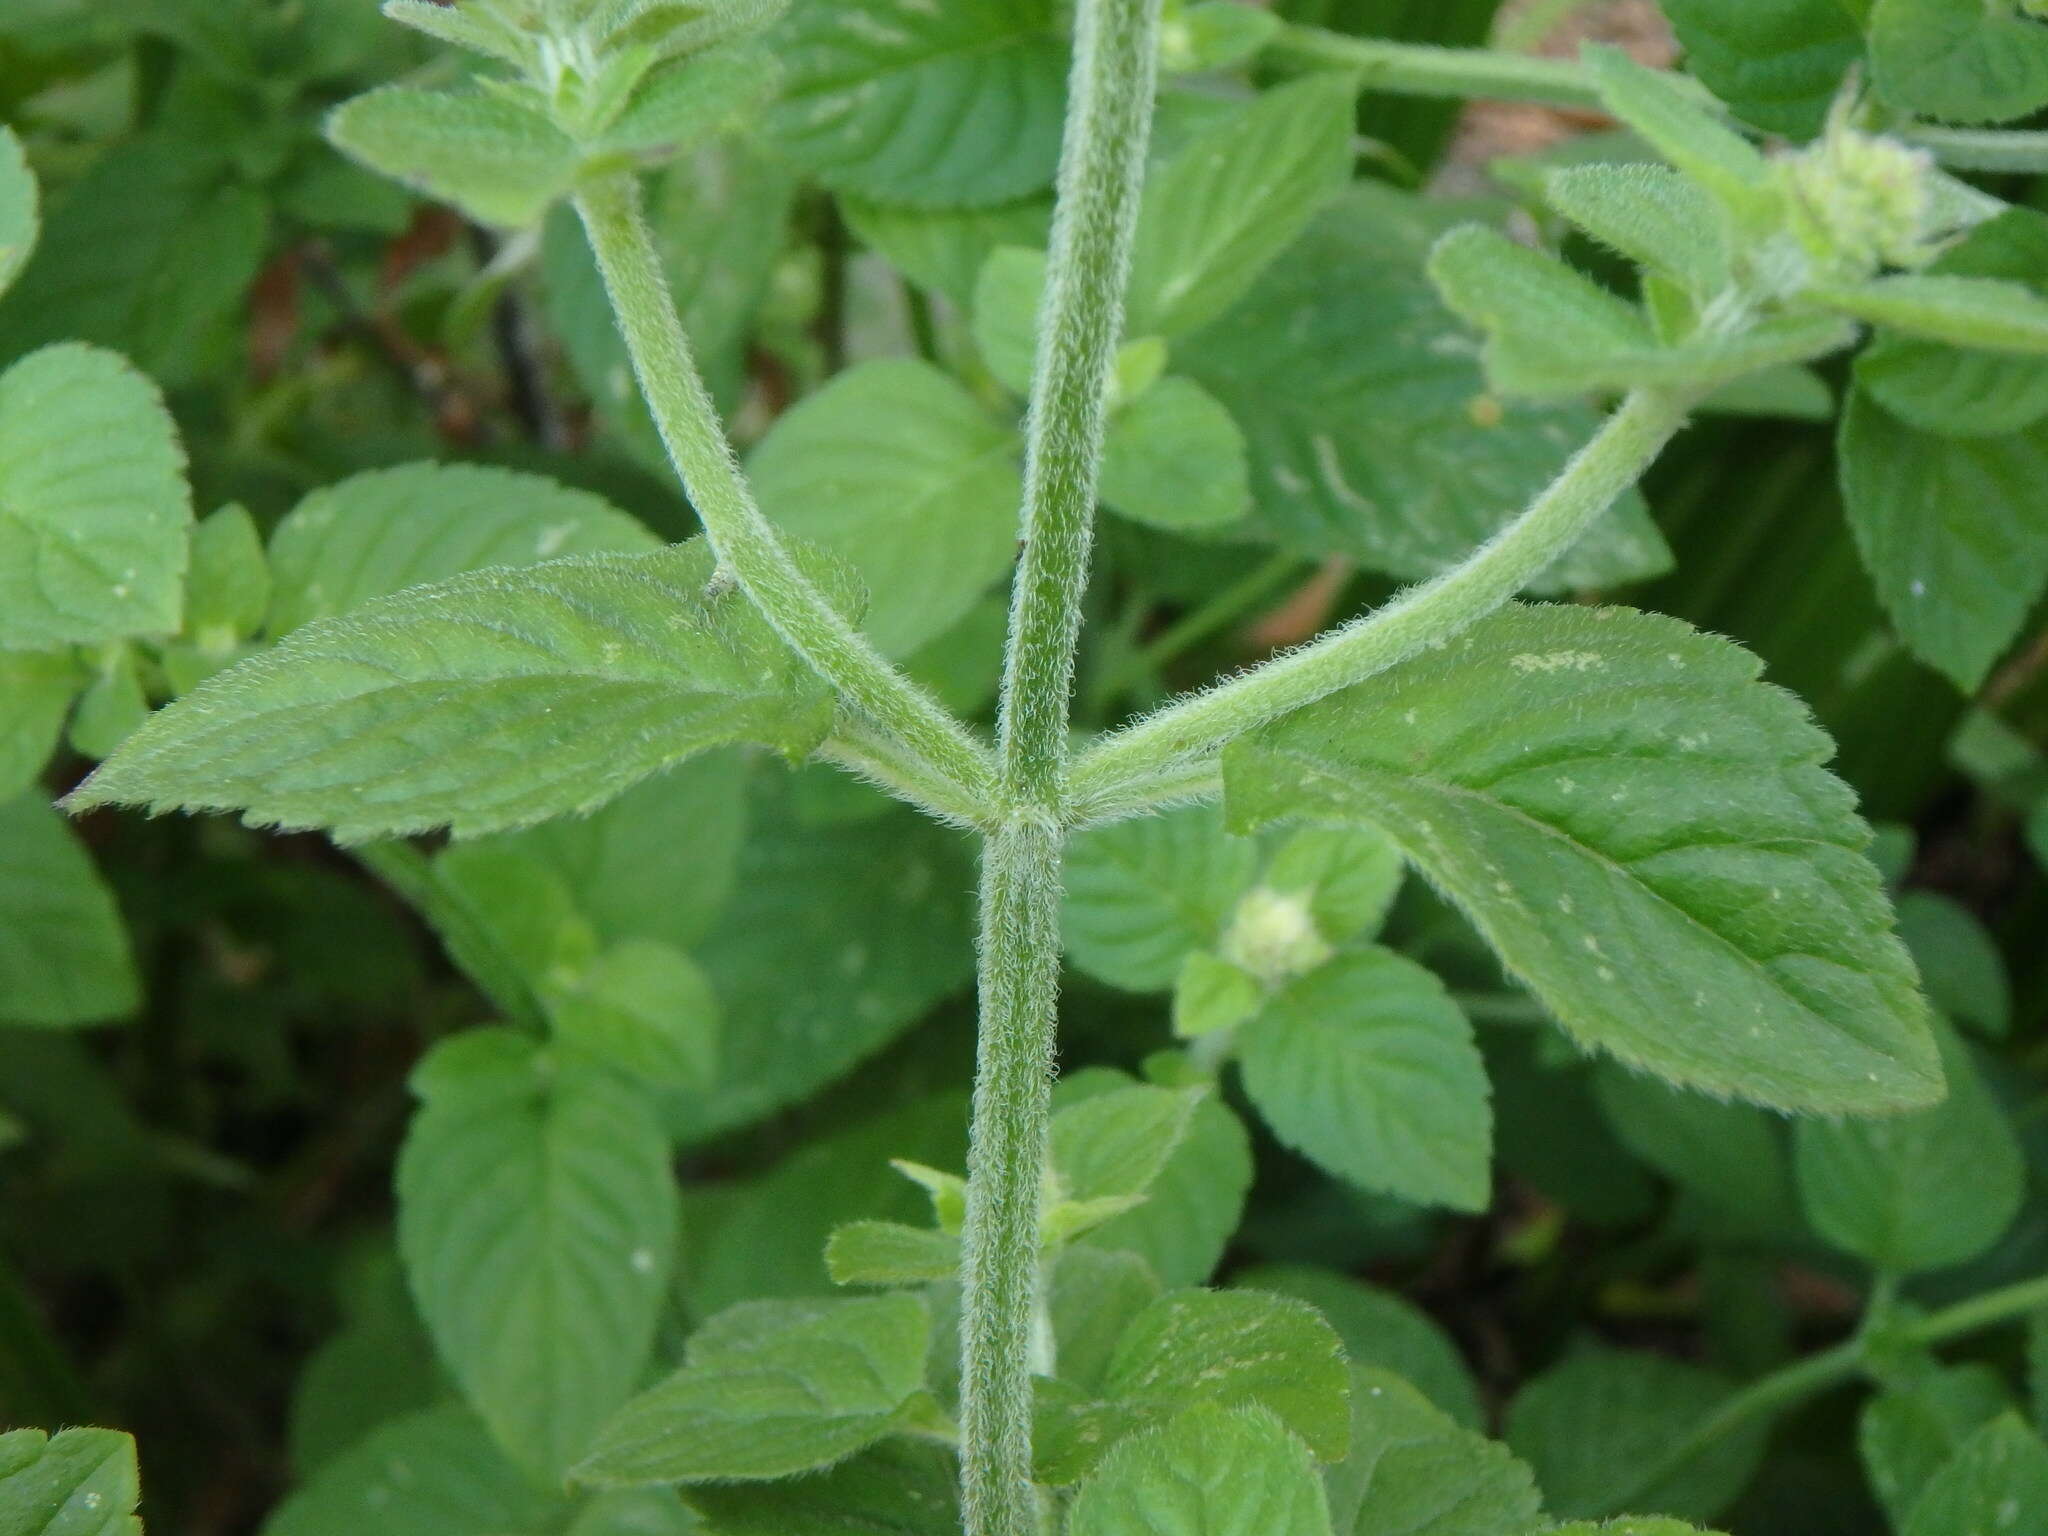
[(747, 543), (2015, 151), (1423, 615), (863, 749), (1102, 167)]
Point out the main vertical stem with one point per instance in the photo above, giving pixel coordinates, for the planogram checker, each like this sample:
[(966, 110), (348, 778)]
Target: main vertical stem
[(1101, 170)]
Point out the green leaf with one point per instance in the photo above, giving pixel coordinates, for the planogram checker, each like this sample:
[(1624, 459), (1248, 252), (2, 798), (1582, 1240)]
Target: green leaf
[(930, 105), (468, 26), (537, 1220), (112, 707), (1961, 392), (1645, 835), (1961, 60), (1733, 1156), (1911, 1430), (1953, 531), (378, 533), (1349, 876), (688, 100), (1961, 311), (1598, 1430), (489, 701), (227, 589), (1777, 63), (1233, 197), (1919, 1191), (1214, 34), (897, 468), (1679, 125), (1628, 1525), (1194, 1205), (1008, 295), (1210, 1472), (1960, 964), (889, 1253), (1093, 1298), (644, 1009), (377, 1366), (1652, 215), (1143, 894), (1368, 1068), (1372, 434), (1175, 459), (36, 690), (94, 510), (1412, 1472), (770, 1389), (64, 956), (20, 218), (1211, 994), (1998, 1481), (1382, 1330), (493, 159), (431, 1473), (1117, 1144), (1236, 1348), (79, 1482), (636, 1512), (945, 249), (899, 1488)]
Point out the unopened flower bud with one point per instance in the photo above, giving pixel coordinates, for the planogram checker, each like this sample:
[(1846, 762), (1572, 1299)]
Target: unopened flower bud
[(1273, 936)]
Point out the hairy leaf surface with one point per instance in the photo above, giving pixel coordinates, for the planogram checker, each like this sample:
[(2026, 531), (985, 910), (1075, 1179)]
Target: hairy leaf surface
[(79, 1482), (1210, 1472), (1412, 1472)]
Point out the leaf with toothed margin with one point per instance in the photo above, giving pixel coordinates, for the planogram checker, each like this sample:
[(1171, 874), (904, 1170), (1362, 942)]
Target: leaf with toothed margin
[(493, 700), (80, 1482), (1209, 1472), (1645, 834)]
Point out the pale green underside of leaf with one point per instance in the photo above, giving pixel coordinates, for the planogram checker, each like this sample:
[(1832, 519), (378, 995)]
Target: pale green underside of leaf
[(1954, 532), (1367, 1067), (489, 701), (890, 1253), (1777, 63), (895, 467), (537, 1220), (1644, 833), (1962, 60), (1650, 214), (930, 105), (81, 1482), (691, 99), (1210, 1472), (381, 532), (64, 957), (93, 504), (19, 209), (1680, 125), (770, 1389), (1920, 1191), (1412, 1472), (1370, 428), (492, 159), (1962, 311)]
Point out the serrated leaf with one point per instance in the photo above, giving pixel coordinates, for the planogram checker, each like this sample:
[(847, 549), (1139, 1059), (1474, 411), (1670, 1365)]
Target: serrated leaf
[(1961, 311), (644, 1009), (1008, 296), (1961, 60), (770, 1389), (1210, 1472), (94, 509), (1965, 392), (1910, 1431), (1194, 1205), (1643, 832), (1650, 214), (897, 468), (1598, 1430), (79, 1482), (20, 217), (1367, 1067), (537, 1221), (1382, 1330), (1679, 125), (466, 26), (1374, 436), (1953, 531), (1777, 63), (1233, 197), (381, 532), (687, 100), (931, 105), (36, 690), (889, 1253), (1175, 459), (899, 1488), (1998, 1481), (1413, 1472), (1919, 1191), (1114, 1145), (1236, 1348), (485, 702), (1142, 894), (64, 956), (495, 160), (430, 1473)]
